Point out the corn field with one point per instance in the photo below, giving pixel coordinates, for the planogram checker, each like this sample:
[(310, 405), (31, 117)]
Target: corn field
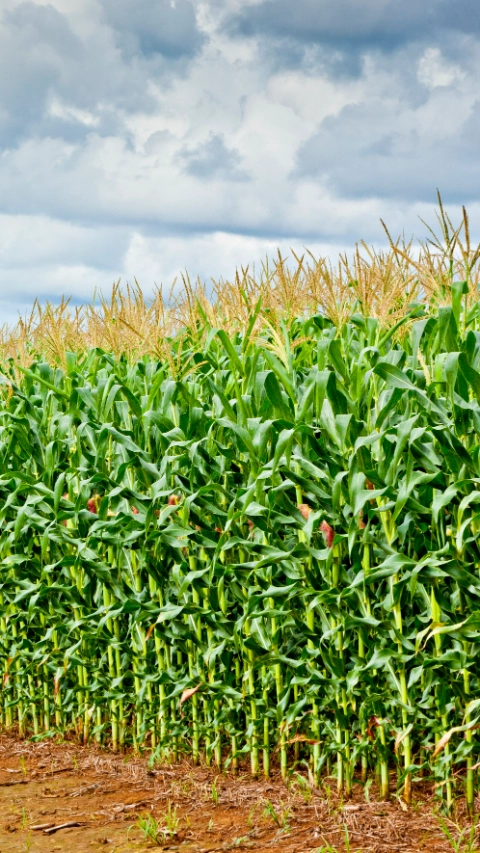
[(262, 550)]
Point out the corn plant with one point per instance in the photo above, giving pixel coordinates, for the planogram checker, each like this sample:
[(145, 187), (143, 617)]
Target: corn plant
[(262, 549)]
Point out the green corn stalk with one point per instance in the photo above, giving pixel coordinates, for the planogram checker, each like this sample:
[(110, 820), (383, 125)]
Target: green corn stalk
[(99, 626)]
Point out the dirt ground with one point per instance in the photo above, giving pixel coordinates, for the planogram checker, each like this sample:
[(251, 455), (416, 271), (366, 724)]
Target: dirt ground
[(112, 802)]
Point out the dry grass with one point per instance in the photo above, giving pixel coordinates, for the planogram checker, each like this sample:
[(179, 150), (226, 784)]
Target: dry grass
[(376, 284)]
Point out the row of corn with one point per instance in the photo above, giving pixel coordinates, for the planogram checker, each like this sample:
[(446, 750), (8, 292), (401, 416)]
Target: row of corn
[(268, 556)]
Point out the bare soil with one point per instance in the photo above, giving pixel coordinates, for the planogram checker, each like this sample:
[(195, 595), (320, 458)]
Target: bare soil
[(107, 798)]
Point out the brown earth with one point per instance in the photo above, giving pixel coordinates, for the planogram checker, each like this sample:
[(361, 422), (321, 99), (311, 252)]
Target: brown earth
[(195, 810)]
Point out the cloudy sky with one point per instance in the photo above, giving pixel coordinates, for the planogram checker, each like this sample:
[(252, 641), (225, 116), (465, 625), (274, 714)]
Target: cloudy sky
[(143, 137)]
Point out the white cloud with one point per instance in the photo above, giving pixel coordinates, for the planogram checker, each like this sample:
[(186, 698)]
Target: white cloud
[(59, 110), (38, 241), (434, 70)]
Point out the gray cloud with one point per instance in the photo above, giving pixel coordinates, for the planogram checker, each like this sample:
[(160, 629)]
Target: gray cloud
[(36, 46), (335, 36), (155, 26), (343, 23), (44, 61), (213, 159), (376, 148)]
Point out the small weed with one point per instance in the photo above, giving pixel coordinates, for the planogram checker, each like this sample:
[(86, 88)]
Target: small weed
[(75, 762), (187, 786), (327, 848), (210, 825), (464, 839), (24, 819), (171, 820), (23, 766), (215, 791), (157, 831), (348, 849), (269, 812), (301, 786), (28, 842), (149, 828), (281, 819)]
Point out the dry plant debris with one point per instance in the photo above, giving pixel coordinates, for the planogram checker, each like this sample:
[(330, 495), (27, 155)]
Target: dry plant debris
[(97, 800)]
